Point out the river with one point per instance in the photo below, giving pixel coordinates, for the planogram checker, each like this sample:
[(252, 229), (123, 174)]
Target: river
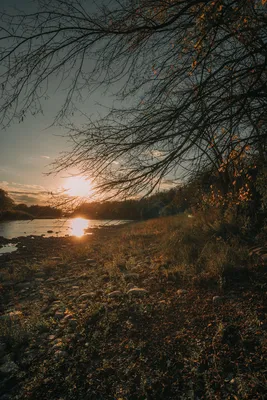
[(53, 227)]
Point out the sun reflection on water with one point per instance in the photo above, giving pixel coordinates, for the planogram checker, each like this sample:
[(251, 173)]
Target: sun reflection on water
[(78, 225)]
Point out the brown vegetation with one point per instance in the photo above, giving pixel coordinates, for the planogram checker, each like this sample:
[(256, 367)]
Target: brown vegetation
[(199, 330)]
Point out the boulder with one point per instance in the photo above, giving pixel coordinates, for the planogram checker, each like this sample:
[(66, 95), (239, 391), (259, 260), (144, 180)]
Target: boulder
[(9, 368)]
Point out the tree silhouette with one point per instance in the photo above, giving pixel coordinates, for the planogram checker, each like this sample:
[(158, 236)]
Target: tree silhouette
[(190, 79), (6, 203)]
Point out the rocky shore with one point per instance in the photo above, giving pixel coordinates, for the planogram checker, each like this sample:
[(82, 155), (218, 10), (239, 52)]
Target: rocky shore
[(80, 322)]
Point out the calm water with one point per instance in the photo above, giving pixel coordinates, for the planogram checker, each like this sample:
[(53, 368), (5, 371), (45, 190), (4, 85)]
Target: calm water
[(59, 227), (9, 248)]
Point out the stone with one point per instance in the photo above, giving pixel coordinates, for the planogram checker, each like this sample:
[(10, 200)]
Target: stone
[(9, 368), (181, 292), (105, 278), (73, 323), (59, 315), (6, 358), (217, 299), (40, 275), (23, 285), (87, 295), (7, 284), (90, 261), (130, 285), (57, 346), (137, 292), (116, 293), (51, 337), (67, 317), (60, 354), (15, 315), (131, 276)]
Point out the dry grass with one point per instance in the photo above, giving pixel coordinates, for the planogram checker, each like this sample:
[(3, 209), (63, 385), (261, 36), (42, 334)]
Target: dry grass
[(195, 249)]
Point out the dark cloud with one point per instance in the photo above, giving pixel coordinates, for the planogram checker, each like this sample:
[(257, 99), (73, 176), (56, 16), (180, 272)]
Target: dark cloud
[(29, 200), (37, 193)]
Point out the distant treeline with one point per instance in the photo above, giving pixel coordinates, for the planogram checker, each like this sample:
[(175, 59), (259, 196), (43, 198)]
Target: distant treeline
[(39, 211), (11, 211), (159, 204)]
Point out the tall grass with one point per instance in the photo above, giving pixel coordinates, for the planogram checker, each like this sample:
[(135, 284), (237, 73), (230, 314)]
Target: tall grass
[(200, 249)]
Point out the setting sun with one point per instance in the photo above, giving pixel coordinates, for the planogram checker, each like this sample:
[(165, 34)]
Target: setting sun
[(78, 186)]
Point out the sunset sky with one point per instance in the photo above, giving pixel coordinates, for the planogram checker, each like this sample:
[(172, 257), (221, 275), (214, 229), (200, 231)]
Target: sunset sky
[(27, 148)]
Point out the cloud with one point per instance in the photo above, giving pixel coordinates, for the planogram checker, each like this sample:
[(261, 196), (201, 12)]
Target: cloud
[(22, 193), (29, 200), (167, 184), (158, 154)]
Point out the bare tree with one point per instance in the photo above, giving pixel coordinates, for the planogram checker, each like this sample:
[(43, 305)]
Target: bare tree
[(190, 78)]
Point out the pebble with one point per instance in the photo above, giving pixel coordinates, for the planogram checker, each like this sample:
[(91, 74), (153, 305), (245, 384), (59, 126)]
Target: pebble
[(57, 346), (116, 293), (59, 315), (137, 292), (90, 261), (181, 291), (14, 315), (217, 299), (130, 285), (67, 317), (73, 323), (40, 275), (131, 276), (60, 354), (87, 295), (23, 285)]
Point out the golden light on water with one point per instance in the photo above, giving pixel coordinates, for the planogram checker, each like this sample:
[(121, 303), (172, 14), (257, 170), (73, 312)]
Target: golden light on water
[(78, 186), (78, 225)]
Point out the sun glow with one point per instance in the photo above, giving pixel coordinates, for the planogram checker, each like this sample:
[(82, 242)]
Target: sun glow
[(78, 186), (78, 226)]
